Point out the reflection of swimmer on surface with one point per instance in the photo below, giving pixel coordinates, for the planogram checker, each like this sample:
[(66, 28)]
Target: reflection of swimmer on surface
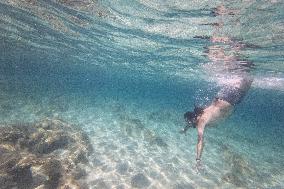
[(221, 10), (220, 107)]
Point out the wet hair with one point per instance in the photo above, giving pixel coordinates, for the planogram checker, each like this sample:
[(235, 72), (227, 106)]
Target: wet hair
[(192, 116), (198, 110), (189, 116)]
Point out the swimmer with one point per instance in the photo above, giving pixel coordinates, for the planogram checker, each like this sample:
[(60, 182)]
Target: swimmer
[(220, 107)]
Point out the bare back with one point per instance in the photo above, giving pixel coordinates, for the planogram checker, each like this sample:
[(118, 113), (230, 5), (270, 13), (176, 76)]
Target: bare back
[(218, 110)]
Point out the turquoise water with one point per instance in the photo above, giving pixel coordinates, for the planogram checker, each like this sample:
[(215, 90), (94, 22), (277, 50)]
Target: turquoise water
[(126, 71)]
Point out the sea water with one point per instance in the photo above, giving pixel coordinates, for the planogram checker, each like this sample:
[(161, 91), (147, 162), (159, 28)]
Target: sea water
[(127, 71)]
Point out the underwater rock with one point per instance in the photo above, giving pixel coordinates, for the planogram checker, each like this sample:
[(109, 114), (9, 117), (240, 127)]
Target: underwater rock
[(8, 159), (47, 154), (149, 135), (80, 157), (22, 175), (134, 128), (6, 181), (233, 179), (53, 169), (79, 173), (153, 139), (241, 171), (50, 142), (97, 162), (122, 168), (140, 181), (159, 142)]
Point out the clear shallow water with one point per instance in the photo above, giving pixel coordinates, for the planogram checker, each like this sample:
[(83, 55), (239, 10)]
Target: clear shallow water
[(127, 71)]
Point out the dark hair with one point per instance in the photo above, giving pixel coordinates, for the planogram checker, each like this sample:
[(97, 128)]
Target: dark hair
[(189, 116), (192, 116), (198, 110)]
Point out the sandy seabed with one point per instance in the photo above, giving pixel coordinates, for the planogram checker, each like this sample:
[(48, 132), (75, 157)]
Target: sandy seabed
[(137, 145)]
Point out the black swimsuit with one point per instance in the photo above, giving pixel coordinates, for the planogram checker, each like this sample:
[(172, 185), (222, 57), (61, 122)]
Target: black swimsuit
[(234, 95)]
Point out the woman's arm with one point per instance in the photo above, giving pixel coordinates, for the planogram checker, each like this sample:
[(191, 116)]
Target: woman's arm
[(199, 146)]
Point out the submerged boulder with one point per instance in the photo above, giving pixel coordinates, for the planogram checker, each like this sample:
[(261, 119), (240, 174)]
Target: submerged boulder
[(140, 181), (134, 128), (47, 154), (242, 173)]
